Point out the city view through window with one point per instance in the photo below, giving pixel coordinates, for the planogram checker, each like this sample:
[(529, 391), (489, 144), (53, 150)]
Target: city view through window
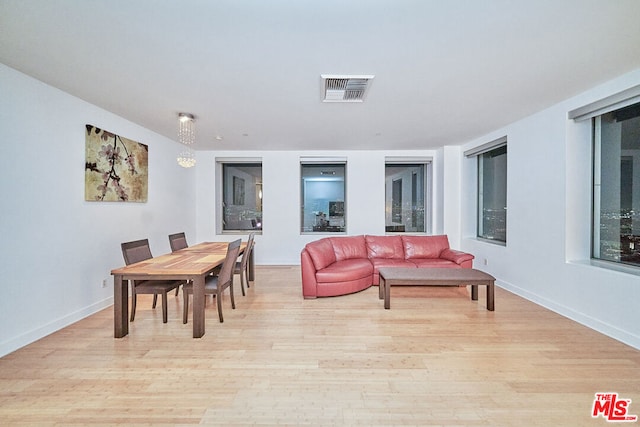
[(616, 189)]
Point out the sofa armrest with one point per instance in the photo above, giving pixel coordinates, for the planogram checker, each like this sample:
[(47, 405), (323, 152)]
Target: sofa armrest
[(309, 282), (458, 257)]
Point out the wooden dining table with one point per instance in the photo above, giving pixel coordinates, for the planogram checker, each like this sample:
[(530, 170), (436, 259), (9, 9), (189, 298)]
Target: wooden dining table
[(192, 263)]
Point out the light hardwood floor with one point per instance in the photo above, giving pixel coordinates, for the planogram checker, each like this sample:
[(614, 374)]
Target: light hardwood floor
[(435, 359)]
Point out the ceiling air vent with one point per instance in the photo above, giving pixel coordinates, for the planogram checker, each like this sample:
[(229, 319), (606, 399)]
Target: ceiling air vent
[(344, 88)]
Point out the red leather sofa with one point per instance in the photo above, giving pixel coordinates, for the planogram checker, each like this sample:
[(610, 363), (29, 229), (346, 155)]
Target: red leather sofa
[(343, 265)]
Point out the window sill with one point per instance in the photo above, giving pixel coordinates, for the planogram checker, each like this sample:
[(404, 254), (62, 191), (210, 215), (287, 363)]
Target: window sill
[(407, 233), (323, 232), (242, 232), (608, 265), (493, 242)]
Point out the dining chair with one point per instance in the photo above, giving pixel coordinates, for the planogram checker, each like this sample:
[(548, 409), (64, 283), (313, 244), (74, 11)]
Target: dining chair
[(137, 251), (215, 285), (177, 241), (242, 267)]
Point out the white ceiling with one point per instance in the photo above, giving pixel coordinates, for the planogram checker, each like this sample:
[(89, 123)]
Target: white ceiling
[(249, 70)]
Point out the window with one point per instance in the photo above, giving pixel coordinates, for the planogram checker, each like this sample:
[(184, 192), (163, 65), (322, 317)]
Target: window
[(406, 189), (492, 190), (323, 197), (616, 186), (241, 196)]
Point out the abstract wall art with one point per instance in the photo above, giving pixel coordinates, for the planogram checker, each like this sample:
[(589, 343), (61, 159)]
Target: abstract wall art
[(116, 168)]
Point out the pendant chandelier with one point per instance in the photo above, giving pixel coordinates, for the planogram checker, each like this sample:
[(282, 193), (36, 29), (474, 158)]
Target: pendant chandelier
[(186, 136)]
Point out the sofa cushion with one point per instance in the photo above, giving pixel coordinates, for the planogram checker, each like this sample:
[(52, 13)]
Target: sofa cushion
[(391, 262), (384, 247), (346, 270), (321, 253), (388, 262), (434, 262), (352, 247), (424, 246)]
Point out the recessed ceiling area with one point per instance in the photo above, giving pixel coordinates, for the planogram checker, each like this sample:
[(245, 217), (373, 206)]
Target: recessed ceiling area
[(445, 71)]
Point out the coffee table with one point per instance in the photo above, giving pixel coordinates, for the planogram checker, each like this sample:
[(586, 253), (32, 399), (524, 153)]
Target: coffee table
[(392, 276)]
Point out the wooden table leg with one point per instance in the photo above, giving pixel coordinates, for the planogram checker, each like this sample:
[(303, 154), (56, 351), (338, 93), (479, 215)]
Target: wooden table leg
[(387, 294), (198, 306), (490, 296), (474, 292), (120, 306)]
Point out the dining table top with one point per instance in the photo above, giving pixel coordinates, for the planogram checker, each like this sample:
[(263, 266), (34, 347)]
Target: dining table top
[(193, 260), (210, 247)]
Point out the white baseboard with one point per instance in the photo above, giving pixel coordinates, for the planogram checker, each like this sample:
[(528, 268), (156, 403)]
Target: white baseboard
[(27, 338), (618, 334)]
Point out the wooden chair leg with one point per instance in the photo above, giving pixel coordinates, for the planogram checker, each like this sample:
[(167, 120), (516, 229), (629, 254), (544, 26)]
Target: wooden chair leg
[(242, 283), (155, 300), (164, 307), (246, 275), (233, 301), (133, 304), (219, 298)]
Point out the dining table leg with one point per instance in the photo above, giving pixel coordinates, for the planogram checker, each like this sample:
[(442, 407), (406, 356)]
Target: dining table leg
[(198, 306), (120, 306)]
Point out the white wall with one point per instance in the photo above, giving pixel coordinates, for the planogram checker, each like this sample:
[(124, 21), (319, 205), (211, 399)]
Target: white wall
[(451, 175), (56, 248), (546, 258)]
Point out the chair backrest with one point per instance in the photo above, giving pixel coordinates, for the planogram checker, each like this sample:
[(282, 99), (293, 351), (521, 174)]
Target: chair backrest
[(136, 251), (226, 272), (177, 241), (247, 251)]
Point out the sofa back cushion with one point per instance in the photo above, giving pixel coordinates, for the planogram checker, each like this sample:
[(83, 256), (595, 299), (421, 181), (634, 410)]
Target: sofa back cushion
[(321, 253), (349, 247), (385, 247), (424, 246)]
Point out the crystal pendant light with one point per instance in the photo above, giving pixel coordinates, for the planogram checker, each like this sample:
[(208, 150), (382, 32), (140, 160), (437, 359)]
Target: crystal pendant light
[(186, 136), (186, 159)]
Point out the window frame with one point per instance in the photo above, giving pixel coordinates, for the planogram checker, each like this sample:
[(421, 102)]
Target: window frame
[(479, 152), (597, 168), (329, 163), (221, 163), (427, 164)]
